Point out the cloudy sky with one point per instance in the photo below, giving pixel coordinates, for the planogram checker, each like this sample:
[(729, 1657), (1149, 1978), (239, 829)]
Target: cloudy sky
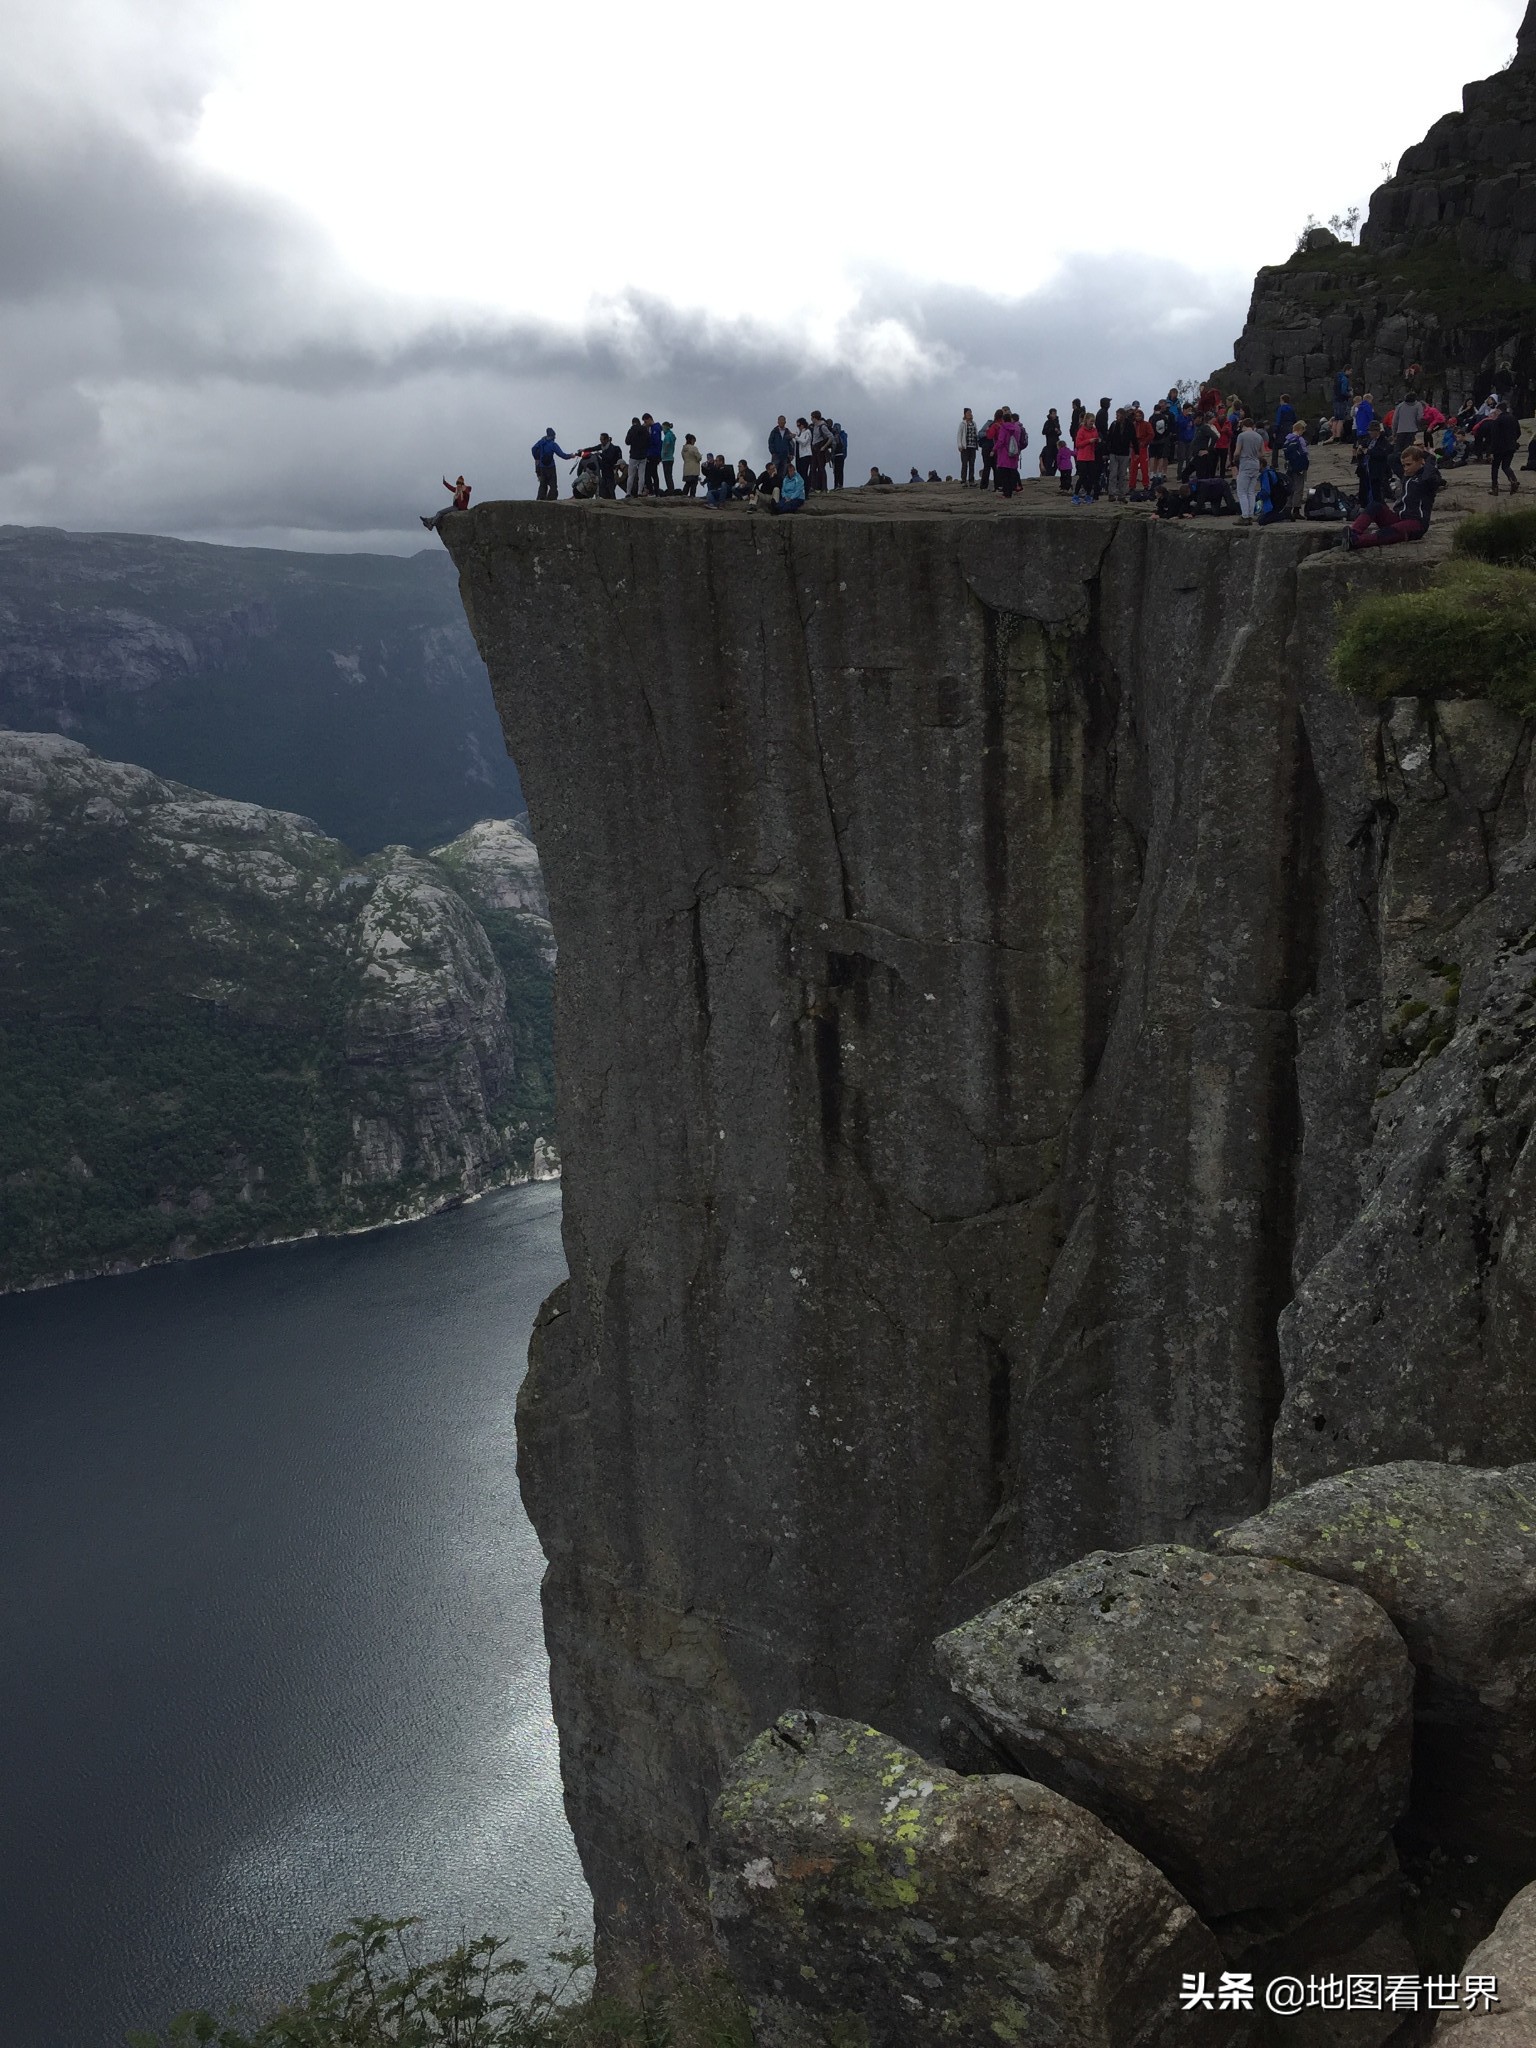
[(269, 267)]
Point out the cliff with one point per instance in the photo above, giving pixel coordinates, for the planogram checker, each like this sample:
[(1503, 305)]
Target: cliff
[(1444, 276), (219, 1027), (343, 687), (1039, 1069)]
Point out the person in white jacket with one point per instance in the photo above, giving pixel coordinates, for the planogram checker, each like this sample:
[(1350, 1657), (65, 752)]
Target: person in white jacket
[(966, 440)]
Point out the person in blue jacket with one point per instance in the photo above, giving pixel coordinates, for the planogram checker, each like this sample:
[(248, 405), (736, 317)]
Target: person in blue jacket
[(652, 456), (791, 496), (544, 453), (1365, 412)]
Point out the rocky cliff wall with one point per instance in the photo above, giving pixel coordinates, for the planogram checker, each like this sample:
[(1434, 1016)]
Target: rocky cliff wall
[(1038, 1069), (1442, 288)]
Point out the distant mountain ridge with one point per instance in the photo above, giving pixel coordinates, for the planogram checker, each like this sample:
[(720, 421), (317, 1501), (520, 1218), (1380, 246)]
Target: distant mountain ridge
[(345, 688), (220, 1027)]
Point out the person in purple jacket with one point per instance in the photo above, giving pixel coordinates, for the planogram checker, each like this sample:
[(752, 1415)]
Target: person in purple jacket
[(1007, 446)]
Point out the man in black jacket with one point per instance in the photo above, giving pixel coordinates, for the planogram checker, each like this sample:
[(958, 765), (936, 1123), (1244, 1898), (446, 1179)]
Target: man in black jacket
[(1500, 435), (1380, 526), (638, 442), (1117, 442)]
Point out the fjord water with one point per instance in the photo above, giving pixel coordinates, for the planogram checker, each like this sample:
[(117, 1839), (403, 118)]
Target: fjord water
[(269, 1612)]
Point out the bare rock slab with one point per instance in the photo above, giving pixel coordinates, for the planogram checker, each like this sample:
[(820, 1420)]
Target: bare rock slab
[(1450, 1554), (1509, 1956), (1245, 1725), (864, 1896)]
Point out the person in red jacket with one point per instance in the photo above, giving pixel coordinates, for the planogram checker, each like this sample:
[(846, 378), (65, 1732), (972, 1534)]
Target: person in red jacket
[(1085, 443), (1140, 474), (460, 503)]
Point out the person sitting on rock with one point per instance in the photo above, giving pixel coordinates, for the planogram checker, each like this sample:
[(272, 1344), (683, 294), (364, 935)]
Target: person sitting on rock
[(1380, 526), (460, 491), (876, 476), (768, 485), (791, 496)]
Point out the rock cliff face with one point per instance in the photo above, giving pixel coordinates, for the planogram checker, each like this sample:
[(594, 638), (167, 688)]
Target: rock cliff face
[(1040, 1071), (218, 1027), (1444, 276)]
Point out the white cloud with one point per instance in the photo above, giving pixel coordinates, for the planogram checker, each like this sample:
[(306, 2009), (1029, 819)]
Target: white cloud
[(270, 266)]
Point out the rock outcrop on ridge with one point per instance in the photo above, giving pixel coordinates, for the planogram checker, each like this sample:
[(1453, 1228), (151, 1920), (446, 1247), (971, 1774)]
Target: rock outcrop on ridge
[(994, 969), (1444, 276), (219, 1027)]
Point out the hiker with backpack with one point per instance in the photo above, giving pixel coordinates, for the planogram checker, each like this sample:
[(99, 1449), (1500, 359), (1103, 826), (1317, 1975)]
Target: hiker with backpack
[(1008, 444), (839, 453), (1298, 460), (544, 451)]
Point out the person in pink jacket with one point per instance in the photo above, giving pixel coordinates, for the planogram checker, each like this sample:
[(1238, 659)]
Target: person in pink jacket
[(1007, 447)]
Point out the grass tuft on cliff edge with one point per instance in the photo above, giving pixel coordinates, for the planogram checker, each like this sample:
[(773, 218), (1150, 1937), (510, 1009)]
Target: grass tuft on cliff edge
[(1470, 633)]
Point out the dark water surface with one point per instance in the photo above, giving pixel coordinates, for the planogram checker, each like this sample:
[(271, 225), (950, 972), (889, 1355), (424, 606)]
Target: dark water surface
[(270, 1651)]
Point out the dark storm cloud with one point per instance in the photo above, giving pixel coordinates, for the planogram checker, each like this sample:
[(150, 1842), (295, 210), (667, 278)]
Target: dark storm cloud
[(183, 357)]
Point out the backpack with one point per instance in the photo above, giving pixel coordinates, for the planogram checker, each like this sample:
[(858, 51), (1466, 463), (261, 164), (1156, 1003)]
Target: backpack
[(839, 438), (1326, 501), (1341, 384)]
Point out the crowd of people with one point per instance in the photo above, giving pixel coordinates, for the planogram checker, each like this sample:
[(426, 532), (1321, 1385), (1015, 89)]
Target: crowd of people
[(803, 458), (1182, 457)]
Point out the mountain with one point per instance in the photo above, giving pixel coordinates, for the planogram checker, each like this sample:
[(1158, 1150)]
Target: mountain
[(1444, 276), (344, 687), (219, 1027)]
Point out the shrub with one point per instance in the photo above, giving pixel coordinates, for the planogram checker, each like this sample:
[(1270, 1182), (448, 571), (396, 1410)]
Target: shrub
[(379, 1994), (1470, 633), (1507, 538)]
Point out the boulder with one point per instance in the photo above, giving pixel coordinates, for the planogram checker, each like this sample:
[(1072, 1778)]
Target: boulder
[(1353, 1930), (1244, 1725), (863, 1895), (1509, 1956), (1450, 1554)]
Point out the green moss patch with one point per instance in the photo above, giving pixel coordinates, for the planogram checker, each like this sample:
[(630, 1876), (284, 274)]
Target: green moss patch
[(1507, 539), (1470, 633)]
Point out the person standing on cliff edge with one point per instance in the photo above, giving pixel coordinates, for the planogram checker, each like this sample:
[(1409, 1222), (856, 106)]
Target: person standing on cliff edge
[(544, 452), (965, 441)]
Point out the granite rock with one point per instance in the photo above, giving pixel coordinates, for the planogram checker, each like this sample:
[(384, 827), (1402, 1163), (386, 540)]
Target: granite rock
[(1246, 1729), (1509, 1955), (1450, 1554), (862, 1894)]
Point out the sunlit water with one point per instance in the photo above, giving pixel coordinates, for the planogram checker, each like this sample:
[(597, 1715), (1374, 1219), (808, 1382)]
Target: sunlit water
[(270, 1651)]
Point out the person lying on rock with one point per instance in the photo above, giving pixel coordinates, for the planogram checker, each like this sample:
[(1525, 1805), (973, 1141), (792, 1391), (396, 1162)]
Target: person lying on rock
[(1382, 526), (460, 503)]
